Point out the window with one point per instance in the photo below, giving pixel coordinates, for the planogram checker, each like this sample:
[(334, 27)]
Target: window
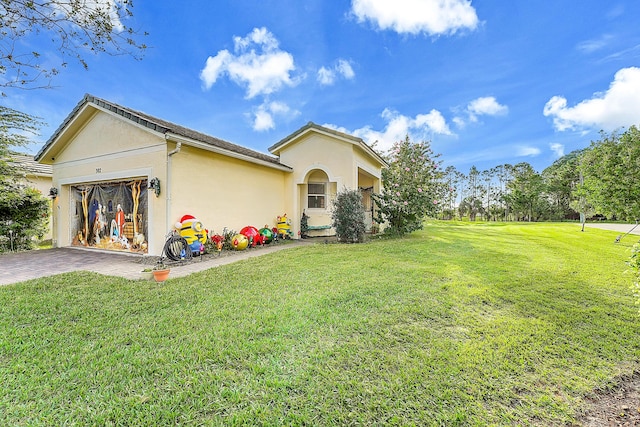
[(316, 195)]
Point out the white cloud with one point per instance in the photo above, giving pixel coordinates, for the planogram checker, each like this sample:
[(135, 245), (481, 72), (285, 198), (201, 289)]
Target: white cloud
[(257, 64), (590, 46), (558, 149), (433, 17), (344, 68), (91, 8), (398, 126), (483, 106), (264, 116), (526, 151), (486, 106), (328, 76), (617, 107)]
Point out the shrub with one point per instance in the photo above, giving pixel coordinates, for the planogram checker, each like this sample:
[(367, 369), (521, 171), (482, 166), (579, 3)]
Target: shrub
[(24, 214), (347, 216)]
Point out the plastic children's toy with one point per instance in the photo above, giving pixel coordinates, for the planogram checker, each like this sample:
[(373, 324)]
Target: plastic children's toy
[(239, 242), (267, 234), (193, 232), (254, 237), (284, 229)]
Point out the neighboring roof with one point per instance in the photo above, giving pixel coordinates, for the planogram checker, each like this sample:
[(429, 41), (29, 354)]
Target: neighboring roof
[(310, 127), (27, 163), (158, 125)]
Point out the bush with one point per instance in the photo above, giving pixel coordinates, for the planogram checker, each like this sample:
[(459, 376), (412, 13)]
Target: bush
[(24, 214), (347, 216)]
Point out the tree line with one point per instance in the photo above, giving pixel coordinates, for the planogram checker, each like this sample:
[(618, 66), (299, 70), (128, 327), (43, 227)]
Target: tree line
[(600, 181)]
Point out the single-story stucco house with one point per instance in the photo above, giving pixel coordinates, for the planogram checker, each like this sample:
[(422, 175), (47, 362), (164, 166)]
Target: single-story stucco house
[(123, 173)]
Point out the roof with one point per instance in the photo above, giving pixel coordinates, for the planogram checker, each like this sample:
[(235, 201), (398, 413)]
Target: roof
[(158, 125), (309, 127), (27, 163)]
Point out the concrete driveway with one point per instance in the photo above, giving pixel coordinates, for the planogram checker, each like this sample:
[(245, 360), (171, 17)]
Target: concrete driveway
[(21, 266), (620, 228)]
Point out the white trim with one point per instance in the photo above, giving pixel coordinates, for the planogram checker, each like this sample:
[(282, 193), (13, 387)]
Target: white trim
[(157, 148), (228, 153), (366, 168), (109, 176), (145, 173), (317, 166), (324, 184)]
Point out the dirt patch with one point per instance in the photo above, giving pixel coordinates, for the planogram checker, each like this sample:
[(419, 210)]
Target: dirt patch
[(617, 406)]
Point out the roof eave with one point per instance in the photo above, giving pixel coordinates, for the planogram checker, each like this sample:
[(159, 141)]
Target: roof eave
[(212, 148), (312, 127)]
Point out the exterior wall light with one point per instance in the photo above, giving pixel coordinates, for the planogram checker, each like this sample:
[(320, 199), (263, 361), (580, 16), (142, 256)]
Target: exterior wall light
[(53, 192), (154, 184)]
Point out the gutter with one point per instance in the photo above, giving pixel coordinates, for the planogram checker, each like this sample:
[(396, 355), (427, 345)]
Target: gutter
[(168, 184)]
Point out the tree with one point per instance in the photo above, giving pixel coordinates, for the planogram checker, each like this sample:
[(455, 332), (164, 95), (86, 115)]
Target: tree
[(452, 180), (560, 180), (14, 129), (611, 171), (348, 217), (412, 187), (472, 203), (525, 192), (471, 207), (23, 210), (74, 28)]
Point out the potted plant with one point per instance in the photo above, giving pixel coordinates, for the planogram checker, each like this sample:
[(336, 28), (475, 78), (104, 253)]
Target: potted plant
[(160, 272), (147, 274)]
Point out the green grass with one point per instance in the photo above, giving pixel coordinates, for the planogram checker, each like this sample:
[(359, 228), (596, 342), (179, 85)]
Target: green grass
[(459, 324)]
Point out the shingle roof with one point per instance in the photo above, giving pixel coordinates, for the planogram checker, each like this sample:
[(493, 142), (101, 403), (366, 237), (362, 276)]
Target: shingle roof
[(161, 126), (28, 164)]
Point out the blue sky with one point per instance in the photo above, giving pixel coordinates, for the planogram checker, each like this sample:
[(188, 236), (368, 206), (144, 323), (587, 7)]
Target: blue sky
[(487, 82)]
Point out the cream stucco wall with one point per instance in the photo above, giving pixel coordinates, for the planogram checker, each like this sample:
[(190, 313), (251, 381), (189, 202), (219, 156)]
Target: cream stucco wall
[(222, 191), (312, 153), (340, 160), (108, 148)]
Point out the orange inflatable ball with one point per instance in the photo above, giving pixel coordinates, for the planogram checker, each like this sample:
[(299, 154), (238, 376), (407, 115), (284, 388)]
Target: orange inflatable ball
[(240, 242)]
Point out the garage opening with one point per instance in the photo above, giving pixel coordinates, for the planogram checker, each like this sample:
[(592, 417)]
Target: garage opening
[(110, 215)]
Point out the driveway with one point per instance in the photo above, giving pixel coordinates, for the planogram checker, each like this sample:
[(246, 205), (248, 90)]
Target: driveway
[(620, 228), (21, 266)]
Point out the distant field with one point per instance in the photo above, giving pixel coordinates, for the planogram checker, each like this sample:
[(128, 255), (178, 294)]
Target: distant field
[(458, 324)]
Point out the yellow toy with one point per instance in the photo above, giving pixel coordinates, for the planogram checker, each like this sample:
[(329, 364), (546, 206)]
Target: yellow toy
[(284, 228), (193, 232)]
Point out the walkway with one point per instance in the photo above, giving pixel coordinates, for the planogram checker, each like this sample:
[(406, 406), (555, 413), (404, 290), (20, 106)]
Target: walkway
[(18, 267)]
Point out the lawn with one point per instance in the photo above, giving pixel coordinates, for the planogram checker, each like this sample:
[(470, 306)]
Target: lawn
[(458, 324)]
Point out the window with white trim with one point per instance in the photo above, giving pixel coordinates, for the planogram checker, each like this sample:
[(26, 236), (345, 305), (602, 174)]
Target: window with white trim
[(317, 195)]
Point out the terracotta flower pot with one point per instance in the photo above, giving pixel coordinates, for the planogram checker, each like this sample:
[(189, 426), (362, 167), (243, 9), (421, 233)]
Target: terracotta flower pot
[(161, 275)]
